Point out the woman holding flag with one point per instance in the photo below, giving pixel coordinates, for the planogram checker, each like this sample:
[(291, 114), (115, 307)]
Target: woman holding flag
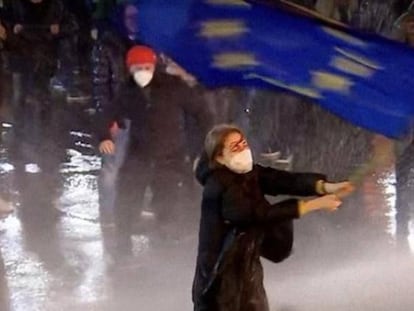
[(238, 225)]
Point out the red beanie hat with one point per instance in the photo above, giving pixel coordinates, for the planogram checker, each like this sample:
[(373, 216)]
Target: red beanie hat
[(140, 54)]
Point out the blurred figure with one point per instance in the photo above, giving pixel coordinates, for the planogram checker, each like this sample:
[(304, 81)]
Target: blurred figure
[(72, 76), (116, 35), (156, 104), (34, 29), (238, 225), (368, 15), (405, 25), (374, 16), (82, 11), (108, 74)]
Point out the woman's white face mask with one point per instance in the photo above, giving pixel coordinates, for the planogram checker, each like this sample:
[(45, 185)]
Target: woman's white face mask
[(241, 162), (143, 77)]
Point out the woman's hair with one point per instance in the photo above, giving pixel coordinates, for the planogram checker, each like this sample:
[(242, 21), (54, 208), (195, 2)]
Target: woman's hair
[(214, 142)]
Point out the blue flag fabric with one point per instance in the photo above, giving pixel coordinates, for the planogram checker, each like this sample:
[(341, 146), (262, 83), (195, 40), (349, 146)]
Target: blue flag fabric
[(363, 78)]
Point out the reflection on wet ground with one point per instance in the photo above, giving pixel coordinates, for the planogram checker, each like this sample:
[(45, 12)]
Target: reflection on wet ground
[(53, 255)]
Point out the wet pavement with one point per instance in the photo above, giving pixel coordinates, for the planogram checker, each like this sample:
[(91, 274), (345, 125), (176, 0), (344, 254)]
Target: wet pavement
[(54, 256)]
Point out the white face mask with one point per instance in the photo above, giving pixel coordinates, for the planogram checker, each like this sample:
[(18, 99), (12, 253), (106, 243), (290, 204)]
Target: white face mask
[(143, 77), (241, 162)]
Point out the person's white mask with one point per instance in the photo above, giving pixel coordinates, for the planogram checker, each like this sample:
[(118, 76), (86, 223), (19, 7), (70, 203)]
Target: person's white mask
[(241, 162), (143, 77)]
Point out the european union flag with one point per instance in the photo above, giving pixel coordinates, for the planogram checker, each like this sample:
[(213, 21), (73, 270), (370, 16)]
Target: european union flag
[(363, 78)]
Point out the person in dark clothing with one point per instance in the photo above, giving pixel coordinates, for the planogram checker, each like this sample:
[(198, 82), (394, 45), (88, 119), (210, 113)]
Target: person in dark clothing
[(236, 220), (34, 28), (108, 74), (82, 10), (108, 54), (373, 16), (156, 105), (73, 72)]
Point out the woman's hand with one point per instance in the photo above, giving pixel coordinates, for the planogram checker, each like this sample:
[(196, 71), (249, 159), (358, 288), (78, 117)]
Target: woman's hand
[(341, 189), (329, 202)]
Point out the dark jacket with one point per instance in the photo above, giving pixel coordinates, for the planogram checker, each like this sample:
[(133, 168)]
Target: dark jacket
[(235, 216), (35, 42), (108, 68), (109, 52), (158, 113)]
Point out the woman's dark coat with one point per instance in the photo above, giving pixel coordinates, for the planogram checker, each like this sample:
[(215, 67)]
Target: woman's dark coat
[(237, 227)]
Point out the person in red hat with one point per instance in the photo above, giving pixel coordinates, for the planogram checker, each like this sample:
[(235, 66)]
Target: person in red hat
[(158, 106), (141, 61)]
